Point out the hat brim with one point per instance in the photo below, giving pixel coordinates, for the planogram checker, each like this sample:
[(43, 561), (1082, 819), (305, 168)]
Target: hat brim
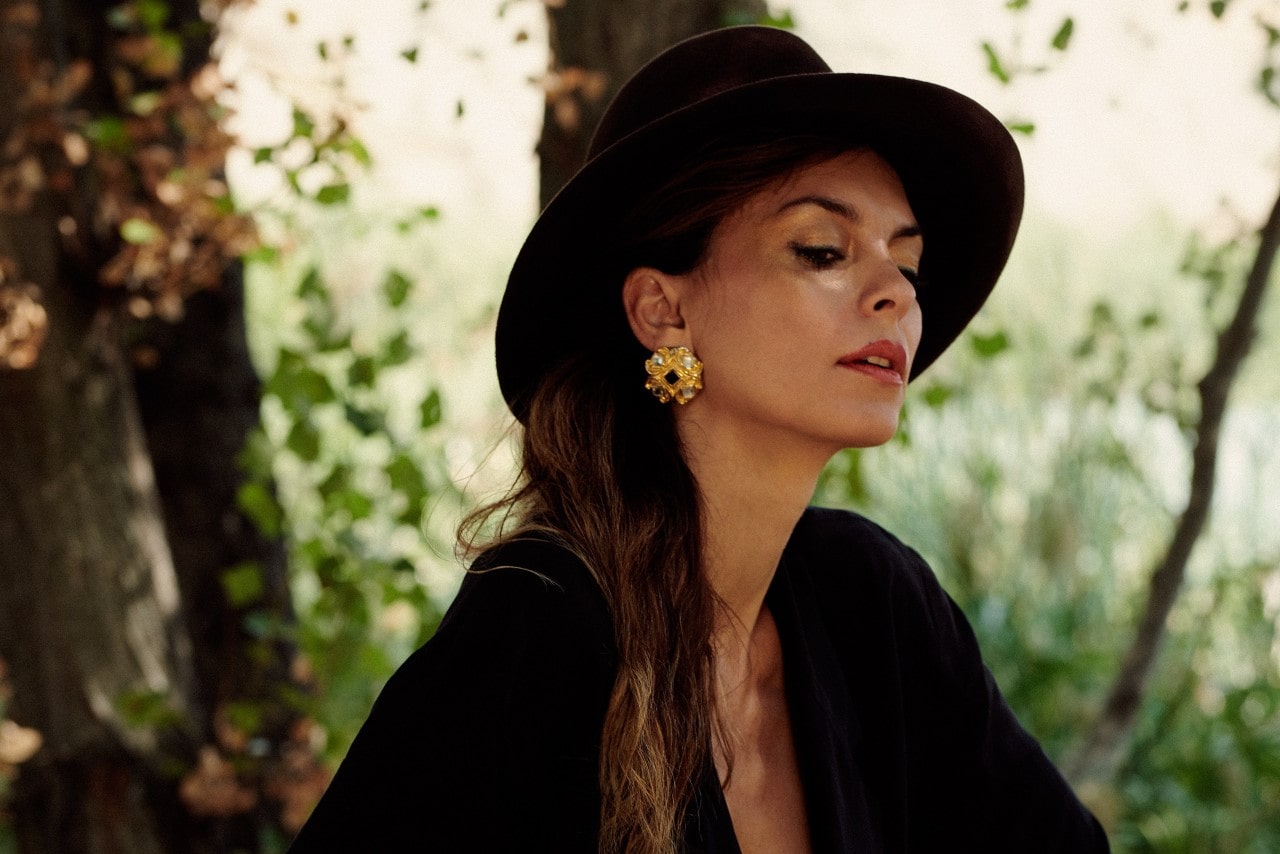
[(958, 164)]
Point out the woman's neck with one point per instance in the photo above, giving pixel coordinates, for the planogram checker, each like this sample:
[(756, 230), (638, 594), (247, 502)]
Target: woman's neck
[(753, 495)]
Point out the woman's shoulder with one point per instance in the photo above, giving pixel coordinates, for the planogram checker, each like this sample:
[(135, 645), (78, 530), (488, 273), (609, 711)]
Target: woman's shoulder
[(844, 549), (536, 578)]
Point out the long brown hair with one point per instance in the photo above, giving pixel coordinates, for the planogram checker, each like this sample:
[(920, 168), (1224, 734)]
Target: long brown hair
[(603, 470)]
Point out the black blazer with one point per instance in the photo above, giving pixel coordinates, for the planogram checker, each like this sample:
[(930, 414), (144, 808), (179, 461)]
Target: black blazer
[(487, 738)]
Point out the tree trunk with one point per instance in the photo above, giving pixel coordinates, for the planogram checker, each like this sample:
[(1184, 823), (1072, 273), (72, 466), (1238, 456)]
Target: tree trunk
[(118, 490), (595, 46), (90, 616), (1104, 746)]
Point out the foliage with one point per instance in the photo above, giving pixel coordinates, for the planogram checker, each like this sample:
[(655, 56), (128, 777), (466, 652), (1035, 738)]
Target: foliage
[(1042, 523), (349, 439)]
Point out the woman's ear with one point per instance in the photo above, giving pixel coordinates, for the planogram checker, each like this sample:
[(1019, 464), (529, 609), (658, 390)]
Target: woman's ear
[(652, 301)]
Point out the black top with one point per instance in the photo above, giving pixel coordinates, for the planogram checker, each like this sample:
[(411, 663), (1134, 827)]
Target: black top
[(488, 738)]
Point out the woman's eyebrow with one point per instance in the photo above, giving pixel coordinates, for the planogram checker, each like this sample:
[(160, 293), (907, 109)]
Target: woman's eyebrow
[(845, 211)]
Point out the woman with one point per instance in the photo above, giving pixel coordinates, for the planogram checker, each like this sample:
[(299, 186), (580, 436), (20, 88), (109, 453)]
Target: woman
[(662, 648)]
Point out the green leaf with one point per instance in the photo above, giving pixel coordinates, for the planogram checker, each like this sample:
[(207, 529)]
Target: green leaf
[(145, 709), (1218, 8), (138, 231), (397, 351), (410, 54), (262, 254), (459, 109), (359, 153), (297, 384), (338, 479), (357, 504), (1062, 37), (937, 395), (246, 716), (994, 66), (322, 49), (263, 155), (396, 287), (303, 126), (152, 14), (257, 502), (1267, 85), (109, 133), (1017, 5), (333, 194), (987, 346), (362, 372), (431, 410), (1023, 127), (367, 421), (304, 440), (783, 20), (242, 584), (144, 103)]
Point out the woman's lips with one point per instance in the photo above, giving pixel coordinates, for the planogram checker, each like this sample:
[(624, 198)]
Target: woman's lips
[(882, 360)]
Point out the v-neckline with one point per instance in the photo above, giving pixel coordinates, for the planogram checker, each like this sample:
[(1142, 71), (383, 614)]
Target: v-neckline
[(824, 730)]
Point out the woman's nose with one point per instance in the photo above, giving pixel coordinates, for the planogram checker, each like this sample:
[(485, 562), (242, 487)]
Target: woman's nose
[(889, 290)]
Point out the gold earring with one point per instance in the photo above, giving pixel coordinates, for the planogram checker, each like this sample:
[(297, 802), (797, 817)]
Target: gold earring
[(674, 374)]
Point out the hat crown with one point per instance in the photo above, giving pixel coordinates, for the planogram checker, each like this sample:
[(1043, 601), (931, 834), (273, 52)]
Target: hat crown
[(699, 68)]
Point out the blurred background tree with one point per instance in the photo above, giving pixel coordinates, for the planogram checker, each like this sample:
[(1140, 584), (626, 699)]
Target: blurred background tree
[(127, 397)]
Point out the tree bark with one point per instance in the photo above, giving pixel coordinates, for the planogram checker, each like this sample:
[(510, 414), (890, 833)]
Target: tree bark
[(118, 501), (595, 46), (1103, 748), (89, 603)]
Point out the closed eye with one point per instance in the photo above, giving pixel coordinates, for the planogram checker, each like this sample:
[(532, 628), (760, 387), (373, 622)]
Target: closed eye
[(818, 257)]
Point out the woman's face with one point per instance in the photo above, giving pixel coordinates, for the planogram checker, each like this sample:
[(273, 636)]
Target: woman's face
[(804, 313)]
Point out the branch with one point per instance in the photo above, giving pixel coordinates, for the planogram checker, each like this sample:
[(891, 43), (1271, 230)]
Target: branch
[(1103, 747)]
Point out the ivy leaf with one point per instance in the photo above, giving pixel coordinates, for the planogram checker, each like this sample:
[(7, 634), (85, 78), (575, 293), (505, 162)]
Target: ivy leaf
[(1218, 8), (333, 194), (431, 410), (783, 20), (146, 709), (152, 14), (994, 65), (359, 153), (407, 479), (397, 351), (109, 132), (257, 502), (937, 395), (303, 126), (367, 421), (243, 584), (410, 54), (362, 372), (138, 231), (987, 346), (1062, 37), (396, 287), (304, 440)]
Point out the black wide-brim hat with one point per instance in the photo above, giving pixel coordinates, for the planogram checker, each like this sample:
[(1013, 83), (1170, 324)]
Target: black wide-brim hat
[(958, 164)]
